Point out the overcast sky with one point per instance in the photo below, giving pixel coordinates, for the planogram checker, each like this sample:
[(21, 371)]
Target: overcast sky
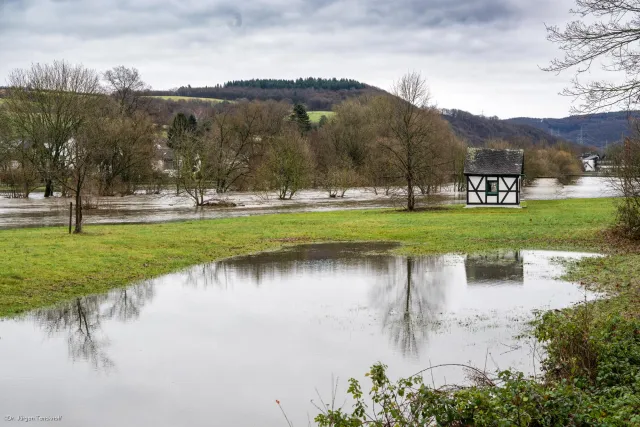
[(482, 56)]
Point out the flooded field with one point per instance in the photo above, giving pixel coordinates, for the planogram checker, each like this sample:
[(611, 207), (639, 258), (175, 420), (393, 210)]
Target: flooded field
[(217, 344), (37, 211)]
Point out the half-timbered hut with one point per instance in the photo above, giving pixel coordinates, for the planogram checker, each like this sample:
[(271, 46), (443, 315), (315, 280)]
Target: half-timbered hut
[(494, 177)]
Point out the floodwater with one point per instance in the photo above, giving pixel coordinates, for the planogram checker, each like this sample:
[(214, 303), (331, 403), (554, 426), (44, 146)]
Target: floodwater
[(37, 211), (217, 344)]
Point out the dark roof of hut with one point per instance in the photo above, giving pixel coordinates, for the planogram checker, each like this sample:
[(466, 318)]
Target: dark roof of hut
[(489, 161)]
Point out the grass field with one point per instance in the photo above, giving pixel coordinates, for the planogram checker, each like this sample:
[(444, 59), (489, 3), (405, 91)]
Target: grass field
[(189, 98), (42, 266), (314, 116)]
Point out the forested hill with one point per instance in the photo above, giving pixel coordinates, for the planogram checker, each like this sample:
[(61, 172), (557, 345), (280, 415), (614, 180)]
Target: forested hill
[(308, 83), (592, 130), (315, 93), (476, 130)]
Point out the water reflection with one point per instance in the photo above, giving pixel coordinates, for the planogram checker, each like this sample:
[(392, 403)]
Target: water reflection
[(282, 322), (498, 268), (323, 258), (411, 296), (409, 293), (81, 320)]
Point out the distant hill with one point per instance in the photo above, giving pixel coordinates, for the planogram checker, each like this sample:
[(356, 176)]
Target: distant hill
[(592, 130), (315, 93), (476, 130)]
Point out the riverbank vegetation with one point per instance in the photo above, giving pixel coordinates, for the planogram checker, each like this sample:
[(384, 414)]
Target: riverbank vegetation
[(85, 134), (591, 369)]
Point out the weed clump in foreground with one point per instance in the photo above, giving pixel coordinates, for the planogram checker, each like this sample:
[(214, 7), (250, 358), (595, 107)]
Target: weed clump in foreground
[(592, 377)]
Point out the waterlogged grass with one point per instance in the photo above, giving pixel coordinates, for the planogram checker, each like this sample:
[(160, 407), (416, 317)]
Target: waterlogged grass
[(188, 98), (315, 116), (42, 266)]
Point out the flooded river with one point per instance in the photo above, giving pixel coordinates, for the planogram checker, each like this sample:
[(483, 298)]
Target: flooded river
[(217, 344), (37, 211)]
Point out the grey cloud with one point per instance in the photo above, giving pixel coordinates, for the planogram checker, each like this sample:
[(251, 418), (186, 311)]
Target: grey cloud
[(443, 13), (96, 18), (216, 40)]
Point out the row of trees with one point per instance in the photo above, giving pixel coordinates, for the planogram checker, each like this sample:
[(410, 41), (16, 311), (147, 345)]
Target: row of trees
[(301, 83), (543, 160), (71, 128), (384, 142), (315, 98), (88, 134)]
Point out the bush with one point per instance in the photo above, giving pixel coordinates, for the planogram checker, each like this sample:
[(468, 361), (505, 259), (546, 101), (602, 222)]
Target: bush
[(592, 378)]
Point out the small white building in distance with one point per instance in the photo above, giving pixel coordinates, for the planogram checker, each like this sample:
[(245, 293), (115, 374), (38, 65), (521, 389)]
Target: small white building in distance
[(590, 162), (494, 177)]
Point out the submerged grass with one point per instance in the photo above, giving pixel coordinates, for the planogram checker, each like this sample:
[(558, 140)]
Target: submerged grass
[(42, 266)]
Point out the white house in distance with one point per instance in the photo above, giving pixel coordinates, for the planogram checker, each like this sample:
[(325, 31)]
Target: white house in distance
[(494, 177), (590, 162)]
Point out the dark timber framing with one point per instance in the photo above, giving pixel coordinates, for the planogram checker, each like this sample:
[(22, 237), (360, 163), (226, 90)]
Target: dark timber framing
[(504, 190)]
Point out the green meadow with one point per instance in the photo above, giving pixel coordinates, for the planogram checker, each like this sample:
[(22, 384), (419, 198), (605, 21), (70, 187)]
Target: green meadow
[(42, 266), (315, 116)]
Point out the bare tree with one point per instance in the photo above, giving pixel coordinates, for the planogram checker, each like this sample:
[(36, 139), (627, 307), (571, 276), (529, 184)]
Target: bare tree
[(606, 31), (79, 158), (413, 133), (16, 170), (626, 168), (127, 87), (287, 164), (47, 106), (343, 146), (239, 131), (196, 164), (126, 158)]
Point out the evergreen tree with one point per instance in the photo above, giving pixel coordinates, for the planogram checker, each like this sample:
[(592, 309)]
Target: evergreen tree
[(192, 124), (301, 117), (180, 126)]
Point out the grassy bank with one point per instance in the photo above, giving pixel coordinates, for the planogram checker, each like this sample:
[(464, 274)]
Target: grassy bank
[(39, 267)]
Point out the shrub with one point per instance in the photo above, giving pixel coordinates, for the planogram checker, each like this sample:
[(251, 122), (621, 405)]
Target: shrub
[(592, 378)]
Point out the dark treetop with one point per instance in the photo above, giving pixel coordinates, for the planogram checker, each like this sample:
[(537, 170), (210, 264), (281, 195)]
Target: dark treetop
[(487, 161)]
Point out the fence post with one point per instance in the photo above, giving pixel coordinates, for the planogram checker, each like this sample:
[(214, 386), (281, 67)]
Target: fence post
[(70, 215)]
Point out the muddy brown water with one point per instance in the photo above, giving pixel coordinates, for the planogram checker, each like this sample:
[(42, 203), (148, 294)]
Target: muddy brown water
[(37, 211), (217, 344)]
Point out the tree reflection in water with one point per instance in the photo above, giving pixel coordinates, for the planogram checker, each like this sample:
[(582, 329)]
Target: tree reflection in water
[(215, 274), (313, 259), (126, 304), (81, 319), (411, 297)]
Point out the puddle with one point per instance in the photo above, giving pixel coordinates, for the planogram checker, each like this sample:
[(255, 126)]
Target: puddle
[(218, 343)]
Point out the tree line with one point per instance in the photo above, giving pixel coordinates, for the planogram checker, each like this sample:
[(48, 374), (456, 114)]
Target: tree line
[(379, 141), (84, 134), (316, 94), (75, 130), (300, 83)]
